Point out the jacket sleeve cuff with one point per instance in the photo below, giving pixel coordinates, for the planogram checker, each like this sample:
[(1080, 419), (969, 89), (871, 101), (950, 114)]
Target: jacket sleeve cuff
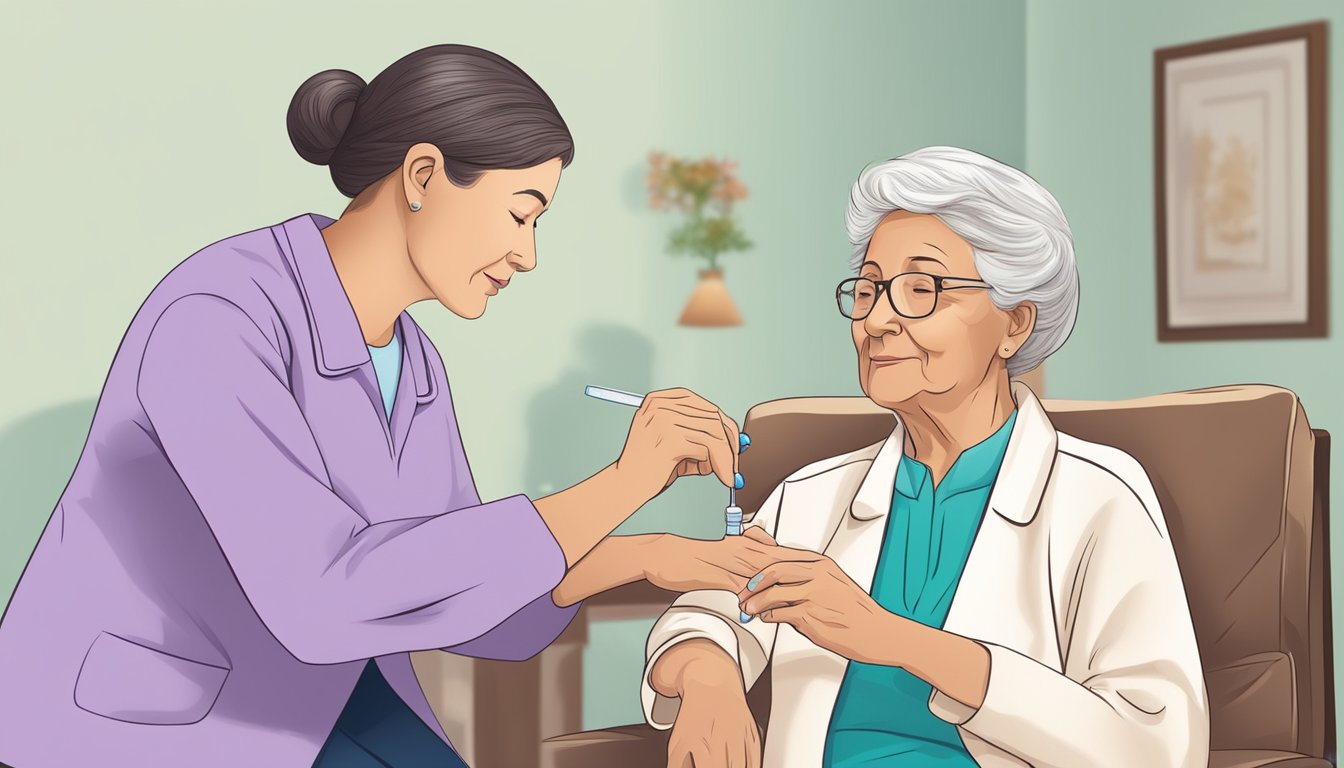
[(1015, 681), (677, 626), (522, 635), (530, 564), (530, 550)]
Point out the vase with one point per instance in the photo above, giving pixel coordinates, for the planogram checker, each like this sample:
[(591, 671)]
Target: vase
[(710, 305)]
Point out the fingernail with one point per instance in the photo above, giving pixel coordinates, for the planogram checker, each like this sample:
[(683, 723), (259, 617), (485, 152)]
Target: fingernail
[(755, 582), (738, 482), (743, 442)]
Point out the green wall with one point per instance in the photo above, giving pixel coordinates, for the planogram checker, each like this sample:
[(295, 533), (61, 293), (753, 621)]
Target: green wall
[(1090, 141), (135, 135)]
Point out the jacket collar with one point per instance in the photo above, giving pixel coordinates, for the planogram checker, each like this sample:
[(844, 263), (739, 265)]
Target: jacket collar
[(1027, 463), (338, 343), (417, 353), (873, 499), (1020, 484)]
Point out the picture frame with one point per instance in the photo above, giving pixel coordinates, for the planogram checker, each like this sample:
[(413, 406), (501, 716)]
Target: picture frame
[(1240, 180)]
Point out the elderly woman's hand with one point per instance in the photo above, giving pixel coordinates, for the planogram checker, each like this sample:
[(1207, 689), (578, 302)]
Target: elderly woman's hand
[(714, 726), (817, 598)]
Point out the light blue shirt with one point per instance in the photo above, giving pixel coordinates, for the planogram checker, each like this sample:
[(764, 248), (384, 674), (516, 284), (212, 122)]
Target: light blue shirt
[(387, 367), (881, 717)]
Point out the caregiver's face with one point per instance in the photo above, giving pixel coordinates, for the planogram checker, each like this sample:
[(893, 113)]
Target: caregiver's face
[(955, 347), (468, 243)]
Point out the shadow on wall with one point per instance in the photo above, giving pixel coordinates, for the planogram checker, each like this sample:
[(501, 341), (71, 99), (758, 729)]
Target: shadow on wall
[(37, 456), (573, 436)]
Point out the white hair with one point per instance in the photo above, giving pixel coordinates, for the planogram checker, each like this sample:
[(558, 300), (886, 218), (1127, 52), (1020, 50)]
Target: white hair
[(1018, 235)]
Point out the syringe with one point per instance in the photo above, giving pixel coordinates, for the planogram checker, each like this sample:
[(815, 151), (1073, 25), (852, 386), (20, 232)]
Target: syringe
[(732, 515)]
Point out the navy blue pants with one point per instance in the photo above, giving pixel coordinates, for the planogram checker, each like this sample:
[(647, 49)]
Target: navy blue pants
[(377, 730)]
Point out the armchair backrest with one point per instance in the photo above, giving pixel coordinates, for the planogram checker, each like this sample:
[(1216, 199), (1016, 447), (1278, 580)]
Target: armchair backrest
[(1236, 472)]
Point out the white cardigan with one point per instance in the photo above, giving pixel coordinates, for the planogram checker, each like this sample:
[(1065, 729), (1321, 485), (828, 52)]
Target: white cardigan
[(1071, 584)]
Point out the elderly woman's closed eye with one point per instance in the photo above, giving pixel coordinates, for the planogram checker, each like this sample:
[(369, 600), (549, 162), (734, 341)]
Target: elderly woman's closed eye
[(988, 590)]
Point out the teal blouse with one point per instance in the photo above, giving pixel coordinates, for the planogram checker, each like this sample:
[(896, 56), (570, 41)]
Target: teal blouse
[(881, 717)]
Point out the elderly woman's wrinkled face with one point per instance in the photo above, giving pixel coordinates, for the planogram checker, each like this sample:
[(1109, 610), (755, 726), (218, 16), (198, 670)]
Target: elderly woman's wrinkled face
[(956, 347)]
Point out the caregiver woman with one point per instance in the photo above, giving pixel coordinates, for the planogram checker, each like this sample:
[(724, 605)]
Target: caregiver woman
[(274, 492)]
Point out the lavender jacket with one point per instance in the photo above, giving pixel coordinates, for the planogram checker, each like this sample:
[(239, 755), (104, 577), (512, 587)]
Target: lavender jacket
[(244, 529)]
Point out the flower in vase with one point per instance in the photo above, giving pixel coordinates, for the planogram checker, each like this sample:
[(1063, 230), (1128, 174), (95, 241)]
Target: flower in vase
[(705, 191)]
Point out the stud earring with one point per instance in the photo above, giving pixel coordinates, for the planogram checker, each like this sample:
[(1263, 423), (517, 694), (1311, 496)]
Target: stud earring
[(415, 205)]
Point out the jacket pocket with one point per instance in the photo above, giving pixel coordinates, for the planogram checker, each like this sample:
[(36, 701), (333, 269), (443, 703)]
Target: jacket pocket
[(129, 682)]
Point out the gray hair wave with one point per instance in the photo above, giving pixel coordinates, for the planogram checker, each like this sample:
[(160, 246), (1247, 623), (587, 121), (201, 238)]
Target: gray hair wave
[(1020, 240)]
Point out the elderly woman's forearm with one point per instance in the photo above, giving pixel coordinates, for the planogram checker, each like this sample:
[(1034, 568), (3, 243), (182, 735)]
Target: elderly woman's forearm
[(696, 663), (955, 665)]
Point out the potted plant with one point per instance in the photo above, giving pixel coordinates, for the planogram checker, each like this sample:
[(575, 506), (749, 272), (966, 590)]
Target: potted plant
[(704, 192)]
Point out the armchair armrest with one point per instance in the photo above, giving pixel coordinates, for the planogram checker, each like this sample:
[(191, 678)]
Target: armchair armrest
[(624, 745), (633, 745), (640, 744)]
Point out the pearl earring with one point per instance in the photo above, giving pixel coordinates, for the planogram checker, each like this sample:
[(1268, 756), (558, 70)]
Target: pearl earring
[(415, 205)]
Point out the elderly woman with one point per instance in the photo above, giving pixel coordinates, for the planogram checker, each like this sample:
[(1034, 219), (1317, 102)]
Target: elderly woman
[(989, 591)]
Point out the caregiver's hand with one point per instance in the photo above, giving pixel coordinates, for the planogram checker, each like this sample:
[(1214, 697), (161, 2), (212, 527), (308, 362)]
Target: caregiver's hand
[(817, 598), (682, 565), (675, 433), (714, 726)]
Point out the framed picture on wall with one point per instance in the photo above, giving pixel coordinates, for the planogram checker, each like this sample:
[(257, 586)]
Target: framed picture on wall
[(1240, 145)]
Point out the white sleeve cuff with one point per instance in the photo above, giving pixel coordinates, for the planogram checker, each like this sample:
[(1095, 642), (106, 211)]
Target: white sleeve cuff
[(1019, 690), (678, 625), (1012, 677), (948, 709)]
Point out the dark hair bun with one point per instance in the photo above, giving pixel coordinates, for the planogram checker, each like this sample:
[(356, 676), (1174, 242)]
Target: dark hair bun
[(320, 112), (478, 108)]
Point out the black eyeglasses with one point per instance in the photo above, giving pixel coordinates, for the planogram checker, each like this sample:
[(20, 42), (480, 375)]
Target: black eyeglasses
[(911, 295)]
